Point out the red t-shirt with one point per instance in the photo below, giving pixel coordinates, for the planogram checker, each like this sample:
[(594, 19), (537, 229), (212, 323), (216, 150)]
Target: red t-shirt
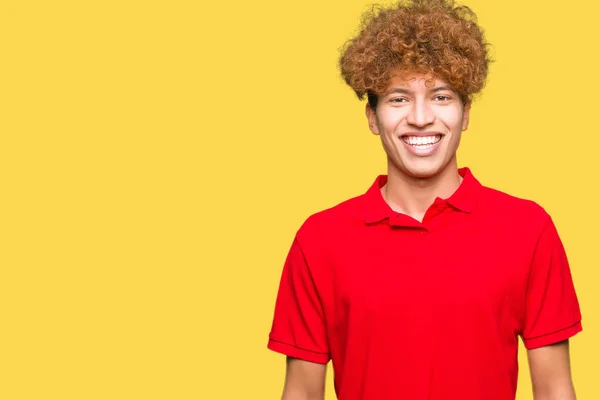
[(431, 310)]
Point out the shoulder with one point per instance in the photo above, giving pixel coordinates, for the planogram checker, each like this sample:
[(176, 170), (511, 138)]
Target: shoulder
[(336, 218), (506, 208)]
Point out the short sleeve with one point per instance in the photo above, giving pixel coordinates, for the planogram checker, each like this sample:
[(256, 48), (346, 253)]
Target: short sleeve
[(299, 327), (552, 311)]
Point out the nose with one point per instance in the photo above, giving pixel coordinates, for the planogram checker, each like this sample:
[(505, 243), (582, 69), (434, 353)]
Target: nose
[(420, 114)]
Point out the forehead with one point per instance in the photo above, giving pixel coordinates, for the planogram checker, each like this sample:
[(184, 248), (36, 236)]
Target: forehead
[(414, 81)]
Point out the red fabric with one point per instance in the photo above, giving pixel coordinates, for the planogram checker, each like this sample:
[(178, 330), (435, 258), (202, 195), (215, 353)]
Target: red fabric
[(432, 310)]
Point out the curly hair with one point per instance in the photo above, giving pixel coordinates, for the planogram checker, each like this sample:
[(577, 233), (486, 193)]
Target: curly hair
[(433, 37)]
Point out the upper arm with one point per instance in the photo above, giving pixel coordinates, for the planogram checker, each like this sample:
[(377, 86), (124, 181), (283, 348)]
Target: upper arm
[(552, 316), (552, 311), (299, 328), (551, 371), (304, 380)]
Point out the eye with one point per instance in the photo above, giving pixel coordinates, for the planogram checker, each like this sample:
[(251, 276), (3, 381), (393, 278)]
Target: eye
[(398, 100), (442, 97)]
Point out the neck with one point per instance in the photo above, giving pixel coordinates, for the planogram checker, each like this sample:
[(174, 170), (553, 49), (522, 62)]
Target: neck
[(413, 196)]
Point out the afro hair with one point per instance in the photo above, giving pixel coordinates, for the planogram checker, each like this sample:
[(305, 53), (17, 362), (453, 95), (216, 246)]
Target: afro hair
[(434, 37)]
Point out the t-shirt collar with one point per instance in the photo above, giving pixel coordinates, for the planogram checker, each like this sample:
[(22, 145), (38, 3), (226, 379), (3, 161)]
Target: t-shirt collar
[(463, 199)]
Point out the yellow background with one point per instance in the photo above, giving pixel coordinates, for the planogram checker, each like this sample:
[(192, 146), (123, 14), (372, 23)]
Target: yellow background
[(156, 159)]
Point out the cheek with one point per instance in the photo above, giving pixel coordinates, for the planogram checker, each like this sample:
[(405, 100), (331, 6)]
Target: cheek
[(452, 120), (390, 120)]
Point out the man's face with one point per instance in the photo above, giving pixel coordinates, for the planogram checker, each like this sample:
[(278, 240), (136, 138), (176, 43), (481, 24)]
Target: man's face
[(420, 125)]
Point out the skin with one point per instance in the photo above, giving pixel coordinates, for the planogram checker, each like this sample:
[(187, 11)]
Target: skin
[(550, 370), (410, 105), (304, 380)]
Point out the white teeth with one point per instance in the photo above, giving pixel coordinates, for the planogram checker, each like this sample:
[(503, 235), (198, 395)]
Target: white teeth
[(421, 141)]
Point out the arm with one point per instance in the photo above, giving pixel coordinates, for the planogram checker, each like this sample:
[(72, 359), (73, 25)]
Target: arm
[(304, 380), (299, 328), (550, 370), (552, 316)]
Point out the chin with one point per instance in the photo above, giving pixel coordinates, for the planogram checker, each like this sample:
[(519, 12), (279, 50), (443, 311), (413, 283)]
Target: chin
[(421, 174), (418, 167), (422, 171)]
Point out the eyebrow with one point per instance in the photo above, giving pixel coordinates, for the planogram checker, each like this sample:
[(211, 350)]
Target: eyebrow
[(405, 91), (442, 88)]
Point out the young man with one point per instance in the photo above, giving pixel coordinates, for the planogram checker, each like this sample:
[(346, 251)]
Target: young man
[(419, 288)]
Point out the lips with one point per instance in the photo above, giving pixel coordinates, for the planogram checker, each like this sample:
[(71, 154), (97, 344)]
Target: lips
[(422, 144)]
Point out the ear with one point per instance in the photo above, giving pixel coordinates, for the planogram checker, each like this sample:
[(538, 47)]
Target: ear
[(372, 118), (466, 115)]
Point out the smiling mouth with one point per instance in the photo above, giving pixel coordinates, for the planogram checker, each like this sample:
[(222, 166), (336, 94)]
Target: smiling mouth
[(421, 142)]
